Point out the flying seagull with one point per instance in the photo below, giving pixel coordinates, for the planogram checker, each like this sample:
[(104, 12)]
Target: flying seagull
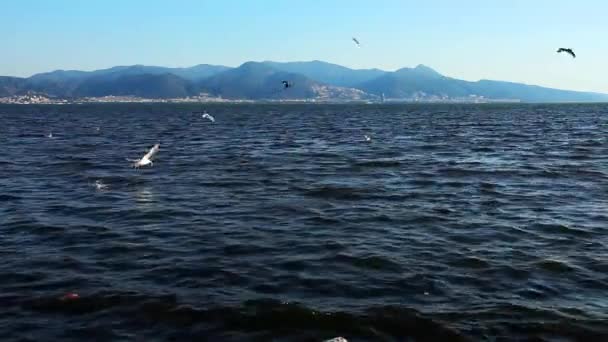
[(286, 84), (569, 51), (147, 159), (208, 116), (367, 138), (356, 42)]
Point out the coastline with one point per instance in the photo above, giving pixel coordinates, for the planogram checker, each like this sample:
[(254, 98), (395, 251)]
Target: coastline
[(44, 100)]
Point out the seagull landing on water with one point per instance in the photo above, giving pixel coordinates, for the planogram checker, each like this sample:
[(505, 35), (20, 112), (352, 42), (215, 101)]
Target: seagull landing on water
[(99, 185), (568, 51), (147, 159)]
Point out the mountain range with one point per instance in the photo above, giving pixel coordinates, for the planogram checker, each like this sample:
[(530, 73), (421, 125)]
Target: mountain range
[(262, 81)]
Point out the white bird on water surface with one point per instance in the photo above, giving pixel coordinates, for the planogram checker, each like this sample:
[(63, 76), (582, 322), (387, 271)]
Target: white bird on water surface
[(147, 159), (367, 138), (99, 185), (337, 339), (208, 116)]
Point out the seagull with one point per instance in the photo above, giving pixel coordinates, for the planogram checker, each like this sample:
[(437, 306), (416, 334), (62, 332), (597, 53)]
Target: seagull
[(569, 51), (337, 339), (147, 159), (367, 138), (208, 116), (99, 185), (356, 42), (50, 136), (286, 84)]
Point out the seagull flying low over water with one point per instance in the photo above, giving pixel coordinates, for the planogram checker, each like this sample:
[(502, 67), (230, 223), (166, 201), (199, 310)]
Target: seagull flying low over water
[(367, 138), (147, 159), (208, 116), (569, 51), (205, 115), (356, 42)]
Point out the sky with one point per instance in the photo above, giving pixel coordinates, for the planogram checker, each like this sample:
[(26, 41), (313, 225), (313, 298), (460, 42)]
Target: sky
[(509, 40)]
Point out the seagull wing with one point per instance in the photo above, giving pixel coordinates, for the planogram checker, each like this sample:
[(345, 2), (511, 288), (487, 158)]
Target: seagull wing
[(572, 53), (152, 152)]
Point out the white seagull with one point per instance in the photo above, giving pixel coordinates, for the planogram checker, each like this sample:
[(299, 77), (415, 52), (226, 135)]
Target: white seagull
[(50, 135), (99, 185), (147, 159), (208, 116), (337, 339), (367, 138)]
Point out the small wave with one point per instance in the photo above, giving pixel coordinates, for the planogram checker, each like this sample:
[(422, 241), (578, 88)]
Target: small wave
[(554, 266), (381, 163), (470, 262), (336, 192), (372, 262), (560, 229)]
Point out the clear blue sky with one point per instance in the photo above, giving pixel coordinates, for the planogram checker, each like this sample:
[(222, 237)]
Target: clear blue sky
[(512, 40)]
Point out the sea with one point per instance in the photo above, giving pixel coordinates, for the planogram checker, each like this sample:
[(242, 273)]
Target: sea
[(282, 222)]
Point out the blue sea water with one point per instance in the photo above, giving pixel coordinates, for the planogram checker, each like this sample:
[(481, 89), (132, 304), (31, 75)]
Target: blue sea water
[(280, 222)]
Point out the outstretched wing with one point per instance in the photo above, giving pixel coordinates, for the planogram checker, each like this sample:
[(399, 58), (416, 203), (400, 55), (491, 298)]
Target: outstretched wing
[(152, 152), (207, 116), (568, 51)]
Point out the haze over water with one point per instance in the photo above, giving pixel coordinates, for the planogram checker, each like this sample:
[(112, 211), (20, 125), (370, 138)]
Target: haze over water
[(456, 222)]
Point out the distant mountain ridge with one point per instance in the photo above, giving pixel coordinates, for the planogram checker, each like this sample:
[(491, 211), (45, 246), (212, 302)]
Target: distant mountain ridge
[(262, 81), (328, 73)]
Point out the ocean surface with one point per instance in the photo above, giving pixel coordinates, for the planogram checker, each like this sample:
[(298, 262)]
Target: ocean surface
[(281, 223)]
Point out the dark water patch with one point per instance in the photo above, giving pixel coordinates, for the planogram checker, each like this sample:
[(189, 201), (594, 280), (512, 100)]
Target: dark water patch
[(366, 262), (266, 318), (469, 262), (336, 192), (554, 266), (9, 198), (377, 163), (560, 229)]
